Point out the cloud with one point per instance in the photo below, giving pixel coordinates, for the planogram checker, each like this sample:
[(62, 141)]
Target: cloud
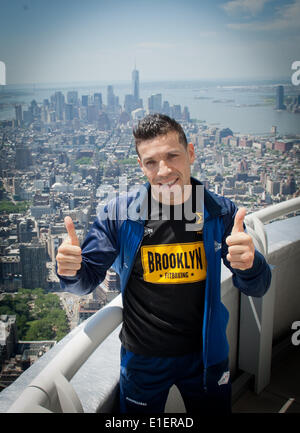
[(286, 17), (237, 7)]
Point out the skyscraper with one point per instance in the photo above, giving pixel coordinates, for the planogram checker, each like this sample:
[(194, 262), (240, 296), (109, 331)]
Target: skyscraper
[(186, 114), (111, 99), (69, 112), (280, 98), (177, 112), (72, 97), (154, 103), (129, 103), (59, 99), (92, 113), (19, 116), (98, 100), (23, 157), (135, 85), (85, 100), (166, 108), (33, 265)]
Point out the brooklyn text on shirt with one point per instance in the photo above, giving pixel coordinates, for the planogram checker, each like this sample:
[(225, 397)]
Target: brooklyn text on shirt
[(176, 263)]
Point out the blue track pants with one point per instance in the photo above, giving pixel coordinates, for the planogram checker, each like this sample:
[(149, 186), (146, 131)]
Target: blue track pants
[(145, 383)]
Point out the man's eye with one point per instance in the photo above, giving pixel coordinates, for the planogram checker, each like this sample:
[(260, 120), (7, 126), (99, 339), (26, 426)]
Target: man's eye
[(150, 163)]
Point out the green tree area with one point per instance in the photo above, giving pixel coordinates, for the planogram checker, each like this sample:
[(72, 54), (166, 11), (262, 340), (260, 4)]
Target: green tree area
[(7, 206), (131, 161), (39, 314), (85, 160)]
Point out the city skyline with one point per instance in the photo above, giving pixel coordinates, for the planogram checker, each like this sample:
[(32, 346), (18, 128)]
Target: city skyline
[(52, 42)]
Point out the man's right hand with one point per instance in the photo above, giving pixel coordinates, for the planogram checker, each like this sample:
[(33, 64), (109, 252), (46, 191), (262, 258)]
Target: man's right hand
[(69, 253)]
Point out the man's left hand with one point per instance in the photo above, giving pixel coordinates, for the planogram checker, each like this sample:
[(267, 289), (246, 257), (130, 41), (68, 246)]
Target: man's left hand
[(240, 244)]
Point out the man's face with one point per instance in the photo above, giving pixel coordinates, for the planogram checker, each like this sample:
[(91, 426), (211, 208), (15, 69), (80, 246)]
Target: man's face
[(167, 165)]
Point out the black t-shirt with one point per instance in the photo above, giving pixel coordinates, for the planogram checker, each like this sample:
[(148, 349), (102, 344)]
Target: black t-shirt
[(164, 297)]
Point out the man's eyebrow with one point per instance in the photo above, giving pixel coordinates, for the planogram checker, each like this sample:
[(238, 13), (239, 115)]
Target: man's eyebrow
[(170, 153), (149, 158), (174, 152)]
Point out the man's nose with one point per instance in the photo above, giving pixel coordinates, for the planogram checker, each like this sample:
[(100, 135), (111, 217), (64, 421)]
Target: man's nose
[(163, 168)]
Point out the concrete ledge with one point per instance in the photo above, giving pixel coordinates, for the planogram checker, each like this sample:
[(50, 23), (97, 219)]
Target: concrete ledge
[(96, 383)]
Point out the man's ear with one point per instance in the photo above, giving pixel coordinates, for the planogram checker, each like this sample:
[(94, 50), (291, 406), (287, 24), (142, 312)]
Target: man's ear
[(191, 151)]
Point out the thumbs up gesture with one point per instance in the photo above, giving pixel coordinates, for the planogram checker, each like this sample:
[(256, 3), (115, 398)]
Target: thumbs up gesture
[(69, 253), (240, 245)]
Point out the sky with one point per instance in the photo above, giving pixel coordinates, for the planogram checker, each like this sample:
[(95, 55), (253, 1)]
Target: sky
[(60, 41)]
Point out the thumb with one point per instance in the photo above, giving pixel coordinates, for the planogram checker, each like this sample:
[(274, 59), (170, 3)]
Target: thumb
[(71, 231), (238, 221)]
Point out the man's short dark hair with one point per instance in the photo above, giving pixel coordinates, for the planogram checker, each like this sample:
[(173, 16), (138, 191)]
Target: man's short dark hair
[(157, 124)]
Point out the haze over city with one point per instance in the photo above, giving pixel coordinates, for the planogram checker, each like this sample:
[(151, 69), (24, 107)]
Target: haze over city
[(101, 40)]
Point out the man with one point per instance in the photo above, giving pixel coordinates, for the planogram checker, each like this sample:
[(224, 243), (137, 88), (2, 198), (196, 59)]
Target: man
[(174, 324)]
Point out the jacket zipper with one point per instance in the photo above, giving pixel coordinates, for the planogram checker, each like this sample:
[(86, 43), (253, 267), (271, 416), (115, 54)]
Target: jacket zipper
[(142, 222), (207, 326), (205, 365), (209, 309)]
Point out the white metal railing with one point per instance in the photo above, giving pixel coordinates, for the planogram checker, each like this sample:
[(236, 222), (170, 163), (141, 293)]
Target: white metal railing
[(255, 221), (278, 210), (257, 324), (51, 390)]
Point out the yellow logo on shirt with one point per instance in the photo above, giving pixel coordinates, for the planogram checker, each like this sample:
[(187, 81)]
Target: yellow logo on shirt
[(174, 263)]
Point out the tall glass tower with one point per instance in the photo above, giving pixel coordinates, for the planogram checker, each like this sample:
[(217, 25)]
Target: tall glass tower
[(280, 98), (135, 85)]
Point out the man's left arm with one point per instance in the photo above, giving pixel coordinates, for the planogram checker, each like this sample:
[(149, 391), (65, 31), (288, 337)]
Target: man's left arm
[(251, 273)]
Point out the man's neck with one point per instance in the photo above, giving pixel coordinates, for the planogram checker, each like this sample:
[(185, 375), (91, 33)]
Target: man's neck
[(171, 198)]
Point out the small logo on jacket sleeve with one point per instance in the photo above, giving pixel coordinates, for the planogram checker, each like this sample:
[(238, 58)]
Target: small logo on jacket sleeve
[(224, 379), (147, 231)]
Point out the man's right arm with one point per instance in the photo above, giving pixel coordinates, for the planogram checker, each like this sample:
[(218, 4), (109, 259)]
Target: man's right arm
[(81, 270)]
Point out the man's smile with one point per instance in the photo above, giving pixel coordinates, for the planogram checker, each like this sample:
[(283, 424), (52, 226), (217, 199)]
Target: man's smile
[(168, 184)]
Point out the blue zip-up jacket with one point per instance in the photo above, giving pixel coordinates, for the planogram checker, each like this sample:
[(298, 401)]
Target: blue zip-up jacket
[(114, 240)]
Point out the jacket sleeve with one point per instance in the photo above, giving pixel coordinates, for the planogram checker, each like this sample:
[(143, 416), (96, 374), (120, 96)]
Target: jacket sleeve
[(99, 250), (252, 282)]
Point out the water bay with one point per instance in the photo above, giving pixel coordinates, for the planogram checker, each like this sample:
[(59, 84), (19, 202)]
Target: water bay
[(244, 107)]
